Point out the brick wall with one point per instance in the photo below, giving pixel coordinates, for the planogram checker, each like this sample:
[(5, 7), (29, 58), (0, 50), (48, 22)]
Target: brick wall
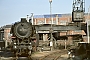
[(7, 34), (63, 18)]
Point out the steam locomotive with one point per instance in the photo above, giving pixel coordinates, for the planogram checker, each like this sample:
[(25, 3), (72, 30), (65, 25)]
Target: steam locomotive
[(23, 38), (81, 52)]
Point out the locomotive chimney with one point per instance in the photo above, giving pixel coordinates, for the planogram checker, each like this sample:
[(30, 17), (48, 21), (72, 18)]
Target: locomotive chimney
[(23, 20)]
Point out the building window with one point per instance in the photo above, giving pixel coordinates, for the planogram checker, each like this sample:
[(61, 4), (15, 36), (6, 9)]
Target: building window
[(78, 31), (41, 22), (63, 22), (49, 22), (54, 22), (1, 35)]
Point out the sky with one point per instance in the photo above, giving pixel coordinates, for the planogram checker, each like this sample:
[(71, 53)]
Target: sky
[(12, 10)]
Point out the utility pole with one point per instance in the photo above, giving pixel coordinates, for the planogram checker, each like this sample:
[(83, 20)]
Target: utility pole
[(88, 24), (32, 18), (51, 30)]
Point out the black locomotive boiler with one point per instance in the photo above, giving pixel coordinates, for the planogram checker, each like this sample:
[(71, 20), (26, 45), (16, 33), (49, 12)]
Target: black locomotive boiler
[(23, 38)]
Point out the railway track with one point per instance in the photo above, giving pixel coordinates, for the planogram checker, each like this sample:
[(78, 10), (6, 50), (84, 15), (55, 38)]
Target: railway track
[(54, 56), (11, 56)]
